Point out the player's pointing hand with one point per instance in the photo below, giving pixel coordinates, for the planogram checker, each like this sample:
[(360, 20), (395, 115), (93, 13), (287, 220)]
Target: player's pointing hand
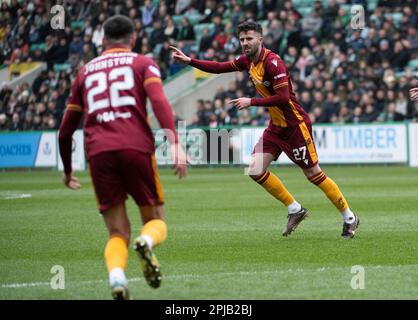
[(241, 103), (179, 56)]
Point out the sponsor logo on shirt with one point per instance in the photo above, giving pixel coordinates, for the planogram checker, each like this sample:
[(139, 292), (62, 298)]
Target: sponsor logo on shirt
[(155, 71), (281, 75)]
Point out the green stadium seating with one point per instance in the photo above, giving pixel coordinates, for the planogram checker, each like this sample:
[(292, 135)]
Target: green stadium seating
[(346, 7), (77, 25), (302, 3), (396, 16), (41, 46), (194, 18), (177, 19), (198, 28), (61, 67), (305, 11), (149, 30), (371, 4), (413, 64)]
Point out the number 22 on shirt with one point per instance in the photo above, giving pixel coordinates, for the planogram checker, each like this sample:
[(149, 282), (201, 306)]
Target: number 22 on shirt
[(98, 83)]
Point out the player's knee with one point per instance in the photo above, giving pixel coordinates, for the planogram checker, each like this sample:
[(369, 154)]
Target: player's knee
[(317, 178), (313, 173), (252, 173), (256, 167), (255, 174)]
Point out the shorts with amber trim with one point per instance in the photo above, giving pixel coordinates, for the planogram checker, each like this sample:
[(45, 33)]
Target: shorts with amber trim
[(116, 174), (295, 141)]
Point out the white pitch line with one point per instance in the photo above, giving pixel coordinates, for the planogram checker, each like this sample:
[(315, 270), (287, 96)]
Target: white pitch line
[(11, 196), (25, 285), (203, 276), (174, 276)]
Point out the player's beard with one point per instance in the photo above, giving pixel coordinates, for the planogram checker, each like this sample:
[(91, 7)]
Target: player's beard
[(252, 51)]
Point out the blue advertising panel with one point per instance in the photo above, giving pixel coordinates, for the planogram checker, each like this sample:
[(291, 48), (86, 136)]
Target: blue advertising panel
[(18, 149)]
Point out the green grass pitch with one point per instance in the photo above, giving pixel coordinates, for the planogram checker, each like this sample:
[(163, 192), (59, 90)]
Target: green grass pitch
[(224, 239)]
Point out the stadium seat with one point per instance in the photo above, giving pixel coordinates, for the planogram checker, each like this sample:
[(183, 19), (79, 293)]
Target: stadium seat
[(264, 23), (396, 16), (371, 4), (177, 19), (149, 30), (195, 47), (194, 19), (157, 49), (305, 11), (346, 7), (35, 46), (199, 27), (61, 67), (302, 3), (413, 64), (77, 25)]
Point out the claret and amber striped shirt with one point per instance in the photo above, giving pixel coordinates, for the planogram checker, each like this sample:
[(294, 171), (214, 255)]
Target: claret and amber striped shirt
[(271, 80)]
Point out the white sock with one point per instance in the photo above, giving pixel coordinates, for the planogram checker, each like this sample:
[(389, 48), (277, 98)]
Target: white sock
[(117, 275), (148, 240), (348, 216), (294, 207)]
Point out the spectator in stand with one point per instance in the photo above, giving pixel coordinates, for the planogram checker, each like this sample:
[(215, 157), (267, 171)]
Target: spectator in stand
[(148, 13), (182, 6), (205, 41), (186, 30), (370, 114), (311, 26), (3, 122), (170, 30), (157, 35), (87, 53), (390, 114), (15, 125)]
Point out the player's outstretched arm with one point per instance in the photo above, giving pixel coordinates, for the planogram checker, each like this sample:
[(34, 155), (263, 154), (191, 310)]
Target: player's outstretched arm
[(204, 65), (413, 93)]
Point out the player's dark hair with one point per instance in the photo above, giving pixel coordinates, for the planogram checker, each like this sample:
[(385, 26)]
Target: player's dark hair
[(118, 28), (249, 25)]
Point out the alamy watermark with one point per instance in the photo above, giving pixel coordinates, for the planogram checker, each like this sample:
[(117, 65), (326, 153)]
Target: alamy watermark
[(213, 146), (58, 280), (358, 20), (358, 281), (58, 19)]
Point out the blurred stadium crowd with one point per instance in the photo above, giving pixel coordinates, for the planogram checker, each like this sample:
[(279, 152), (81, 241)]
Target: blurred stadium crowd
[(341, 74)]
